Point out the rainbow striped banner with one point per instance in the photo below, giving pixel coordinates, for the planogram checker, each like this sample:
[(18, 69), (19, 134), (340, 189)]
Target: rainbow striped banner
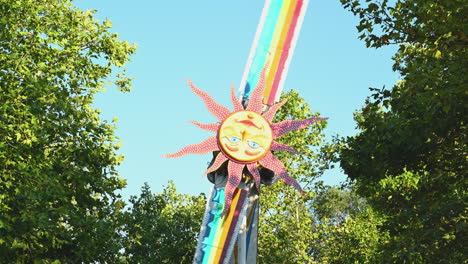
[(232, 238), (274, 44), (221, 239)]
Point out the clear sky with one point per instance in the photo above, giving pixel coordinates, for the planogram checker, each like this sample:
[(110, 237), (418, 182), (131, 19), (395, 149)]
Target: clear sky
[(209, 42)]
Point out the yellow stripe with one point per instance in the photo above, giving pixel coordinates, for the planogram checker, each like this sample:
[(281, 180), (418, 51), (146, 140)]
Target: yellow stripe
[(226, 224), (276, 46)]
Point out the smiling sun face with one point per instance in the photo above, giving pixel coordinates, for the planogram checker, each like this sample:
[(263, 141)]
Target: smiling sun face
[(245, 138)]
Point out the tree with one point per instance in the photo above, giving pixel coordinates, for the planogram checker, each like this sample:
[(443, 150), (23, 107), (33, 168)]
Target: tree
[(58, 160), (347, 227), (409, 161), (331, 224), (163, 227), (286, 223)]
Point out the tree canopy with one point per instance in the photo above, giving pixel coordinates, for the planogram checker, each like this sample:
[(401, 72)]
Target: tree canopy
[(409, 160), (163, 227), (405, 202), (58, 159)]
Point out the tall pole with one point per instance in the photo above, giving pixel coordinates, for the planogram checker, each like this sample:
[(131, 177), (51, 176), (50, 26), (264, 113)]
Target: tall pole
[(232, 237)]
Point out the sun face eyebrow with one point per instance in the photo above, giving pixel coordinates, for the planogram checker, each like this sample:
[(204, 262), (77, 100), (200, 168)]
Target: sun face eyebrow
[(231, 130)]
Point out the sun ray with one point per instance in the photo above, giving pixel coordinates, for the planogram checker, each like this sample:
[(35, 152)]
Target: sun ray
[(276, 146), (255, 101), (255, 173), (275, 165), (209, 145), (272, 111), (238, 146), (209, 127), (235, 176), (235, 102), (219, 111), (285, 126), (219, 160)]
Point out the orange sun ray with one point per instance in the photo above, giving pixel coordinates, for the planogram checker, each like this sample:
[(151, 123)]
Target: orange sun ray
[(275, 165), (219, 111), (272, 111), (255, 101), (209, 127), (235, 177), (285, 126), (276, 146), (219, 160), (253, 169), (234, 142), (236, 103), (209, 145)]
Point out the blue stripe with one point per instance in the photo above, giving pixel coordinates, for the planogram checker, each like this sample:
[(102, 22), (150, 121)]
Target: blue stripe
[(263, 46)]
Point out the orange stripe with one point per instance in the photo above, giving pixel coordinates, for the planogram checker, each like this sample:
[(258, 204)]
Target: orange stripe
[(280, 71), (276, 47), (226, 223)]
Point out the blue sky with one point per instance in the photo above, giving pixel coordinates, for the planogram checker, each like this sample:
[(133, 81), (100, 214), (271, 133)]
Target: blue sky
[(209, 42)]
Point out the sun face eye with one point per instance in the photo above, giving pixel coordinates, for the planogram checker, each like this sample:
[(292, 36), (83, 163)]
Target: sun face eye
[(253, 144), (234, 140)]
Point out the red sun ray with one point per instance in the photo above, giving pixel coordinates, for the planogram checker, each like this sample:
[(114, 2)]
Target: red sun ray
[(219, 111), (237, 105), (234, 178), (219, 160), (209, 127), (255, 101), (252, 167), (272, 111), (285, 126), (271, 162), (276, 146), (209, 145)]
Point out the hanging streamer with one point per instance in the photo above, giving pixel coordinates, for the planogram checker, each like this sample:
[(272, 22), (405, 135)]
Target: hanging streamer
[(230, 238)]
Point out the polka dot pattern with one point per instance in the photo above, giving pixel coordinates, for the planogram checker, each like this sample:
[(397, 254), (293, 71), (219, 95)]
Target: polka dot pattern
[(235, 169), (275, 165), (255, 173), (275, 146), (209, 127), (209, 145), (285, 126), (235, 176), (255, 101), (220, 159), (272, 111), (219, 111), (235, 102)]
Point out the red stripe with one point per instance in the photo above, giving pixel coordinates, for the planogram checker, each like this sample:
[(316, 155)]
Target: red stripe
[(234, 221), (285, 53)]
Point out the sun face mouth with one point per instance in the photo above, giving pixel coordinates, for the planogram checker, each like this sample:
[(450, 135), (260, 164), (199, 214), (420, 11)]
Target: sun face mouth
[(245, 137)]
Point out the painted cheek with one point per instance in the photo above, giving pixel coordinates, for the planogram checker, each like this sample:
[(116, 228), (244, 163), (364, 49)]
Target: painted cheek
[(252, 153), (231, 148)]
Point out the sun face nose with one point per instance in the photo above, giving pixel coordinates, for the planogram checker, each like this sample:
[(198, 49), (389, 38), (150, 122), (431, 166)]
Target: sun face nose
[(248, 127)]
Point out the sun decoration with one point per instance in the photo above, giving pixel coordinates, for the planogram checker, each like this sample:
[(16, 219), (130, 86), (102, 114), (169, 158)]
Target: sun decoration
[(245, 138)]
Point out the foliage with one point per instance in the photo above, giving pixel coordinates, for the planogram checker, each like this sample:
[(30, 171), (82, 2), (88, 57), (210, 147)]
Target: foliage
[(285, 223), (163, 227), (409, 161), (57, 158), (347, 227), (333, 205), (330, 225)]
